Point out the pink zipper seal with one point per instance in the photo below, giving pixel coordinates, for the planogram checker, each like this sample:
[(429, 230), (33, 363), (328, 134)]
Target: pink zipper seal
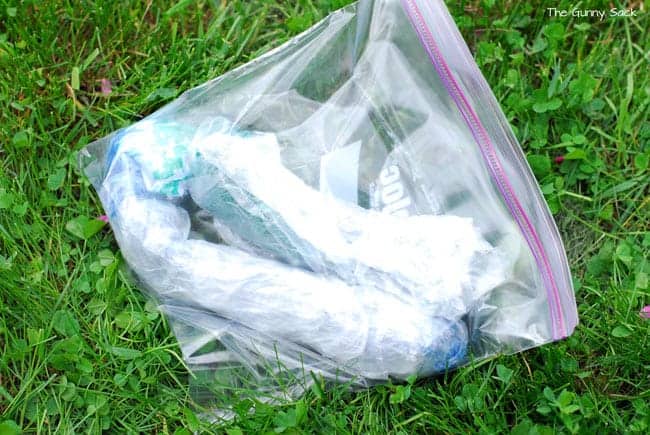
[(486, 147)]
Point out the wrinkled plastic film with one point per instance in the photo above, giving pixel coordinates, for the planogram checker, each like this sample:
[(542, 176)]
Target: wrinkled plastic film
[(329, 209)]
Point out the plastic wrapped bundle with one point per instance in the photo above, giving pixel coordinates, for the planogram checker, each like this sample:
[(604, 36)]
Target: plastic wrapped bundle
[(380, 264), (351, 205)]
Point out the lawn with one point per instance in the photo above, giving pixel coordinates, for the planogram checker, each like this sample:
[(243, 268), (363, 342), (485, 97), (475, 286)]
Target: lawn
[(81, 350)]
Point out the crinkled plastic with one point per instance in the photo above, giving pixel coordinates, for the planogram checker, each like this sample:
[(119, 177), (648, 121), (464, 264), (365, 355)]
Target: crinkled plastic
[(352, 205)]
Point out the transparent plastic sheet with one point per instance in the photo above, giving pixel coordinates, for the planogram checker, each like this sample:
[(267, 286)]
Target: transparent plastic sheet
[(352, 205)]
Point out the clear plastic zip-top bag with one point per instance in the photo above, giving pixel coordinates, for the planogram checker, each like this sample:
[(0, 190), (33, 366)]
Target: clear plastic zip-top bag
[(351, 206)]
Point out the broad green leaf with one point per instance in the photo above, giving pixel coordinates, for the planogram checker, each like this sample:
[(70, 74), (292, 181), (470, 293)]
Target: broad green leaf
[(125, 353), (56, 179), (540, 164), (65, 323), (20, 139), (621, 332), (84, 227), (9, 427), (504, 373)]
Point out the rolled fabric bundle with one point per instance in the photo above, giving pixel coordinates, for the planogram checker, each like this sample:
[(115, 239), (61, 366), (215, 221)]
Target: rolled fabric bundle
[(373, 334), (295, 252)]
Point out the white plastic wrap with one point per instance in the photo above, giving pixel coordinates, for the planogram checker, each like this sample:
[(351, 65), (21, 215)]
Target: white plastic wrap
[(338, 207)]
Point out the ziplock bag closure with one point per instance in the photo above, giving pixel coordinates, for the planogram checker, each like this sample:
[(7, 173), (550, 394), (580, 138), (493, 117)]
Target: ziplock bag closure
[(482, 138)]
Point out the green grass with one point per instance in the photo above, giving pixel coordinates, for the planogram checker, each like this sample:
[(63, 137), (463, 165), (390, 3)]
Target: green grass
[(81, 350)]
